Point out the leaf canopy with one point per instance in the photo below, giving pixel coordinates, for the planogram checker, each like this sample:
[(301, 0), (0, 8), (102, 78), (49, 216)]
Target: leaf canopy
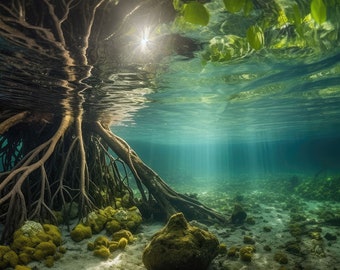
[(196, 13), (318, 11)]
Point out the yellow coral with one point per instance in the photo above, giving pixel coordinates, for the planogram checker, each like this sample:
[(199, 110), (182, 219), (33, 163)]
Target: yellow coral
[(113, 246), (62, 249), (33, 241), (96, 220), (11, 258), (102, 252), (281, 257), (36, 239), (101, 241), (20, 241), (246, 253), (42, 237), (25, 258), (44, 249), (222, 249), (134, 218), (28, 250), (109, 212), (90, 246), (49, 261), (3, 251), (81, 232), (233, 251), (118, 203), (122, 233), (122, 243), (54, 233), (113, 226), (22, 267)]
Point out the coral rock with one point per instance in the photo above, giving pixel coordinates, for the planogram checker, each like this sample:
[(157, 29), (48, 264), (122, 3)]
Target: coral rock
[(122, 243), (180, 246), (22, 267), (81, 232), (246, 253), (281, 257), (11, 257), (123, 233), (102, 252)]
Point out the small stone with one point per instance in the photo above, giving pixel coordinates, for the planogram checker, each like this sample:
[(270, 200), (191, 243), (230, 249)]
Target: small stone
[(267, 229), (246, 253), (267, 248), (250, 221), (281, 257), (248, 240)]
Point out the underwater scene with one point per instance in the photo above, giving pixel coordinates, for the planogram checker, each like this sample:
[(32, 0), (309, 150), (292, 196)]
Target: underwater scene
[(170, 134)]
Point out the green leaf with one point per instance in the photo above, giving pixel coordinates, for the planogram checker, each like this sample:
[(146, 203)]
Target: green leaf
[(234, 6), (178, 5), (196, 13), (318, 11), (248, 7), (255, 37), (297, 18)]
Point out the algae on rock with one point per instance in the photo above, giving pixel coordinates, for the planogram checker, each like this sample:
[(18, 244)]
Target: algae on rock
[(181, 246)]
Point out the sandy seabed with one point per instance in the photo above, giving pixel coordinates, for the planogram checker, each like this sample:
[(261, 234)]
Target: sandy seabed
[(271, 214)]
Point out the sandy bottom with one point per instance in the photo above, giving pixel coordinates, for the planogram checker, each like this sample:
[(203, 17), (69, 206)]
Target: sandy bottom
[(268, 208)]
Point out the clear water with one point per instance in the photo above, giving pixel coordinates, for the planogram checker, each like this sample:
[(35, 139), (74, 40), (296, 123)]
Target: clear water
[(252, 117)]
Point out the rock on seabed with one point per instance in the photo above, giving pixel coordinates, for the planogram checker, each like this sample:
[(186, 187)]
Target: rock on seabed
[(180, 246)]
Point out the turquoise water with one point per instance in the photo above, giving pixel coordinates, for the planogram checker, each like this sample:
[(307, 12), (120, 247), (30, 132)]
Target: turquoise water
[(252, 117)]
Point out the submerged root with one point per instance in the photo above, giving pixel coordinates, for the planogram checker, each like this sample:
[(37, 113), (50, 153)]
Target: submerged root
[(60, 171), (12, 182), (166, 198), (66, 169)]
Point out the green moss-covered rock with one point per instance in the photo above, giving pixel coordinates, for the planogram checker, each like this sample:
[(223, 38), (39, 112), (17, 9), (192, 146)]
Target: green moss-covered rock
[(11, 258), (102, 252), (101, 240), (44, 249), (233, 251), (123, 234), (102, 246), (122, 243), (54, 233), (22, 267), (180, 246), (246, 253), (26, 258), (281, 257), (96, 220), (113, 226), (34, 241), (20, 241), (247, 239), (49, 261), (81, 232)]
